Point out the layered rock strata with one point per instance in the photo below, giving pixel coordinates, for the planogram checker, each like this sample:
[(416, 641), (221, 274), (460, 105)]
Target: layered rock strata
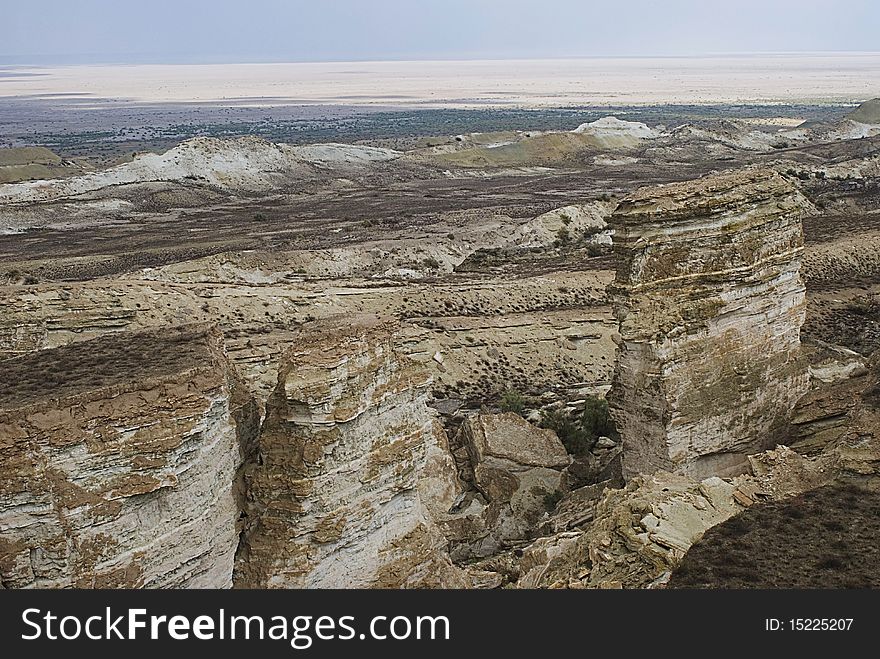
[(515, 470), (118, 463), (710, 303), (353, 468)]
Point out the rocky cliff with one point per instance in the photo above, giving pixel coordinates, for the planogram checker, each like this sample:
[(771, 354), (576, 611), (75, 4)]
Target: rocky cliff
[(118, 462), (353, 467), (710, 304)]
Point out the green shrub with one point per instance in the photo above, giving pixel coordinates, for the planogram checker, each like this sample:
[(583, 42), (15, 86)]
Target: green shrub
[(512, 401), (578, 432), (596, 419)]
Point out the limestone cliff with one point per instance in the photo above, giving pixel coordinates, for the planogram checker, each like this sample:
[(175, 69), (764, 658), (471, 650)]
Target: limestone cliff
[(710, 304), (118, 461), (352, 468)]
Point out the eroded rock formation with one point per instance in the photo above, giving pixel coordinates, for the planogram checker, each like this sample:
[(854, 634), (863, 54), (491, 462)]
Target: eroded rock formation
[(118, 462), (640, 533), (515, 469), (353, 467), (710, 304)]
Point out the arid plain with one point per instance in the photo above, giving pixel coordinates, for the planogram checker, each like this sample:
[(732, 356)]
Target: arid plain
[(439, 324)]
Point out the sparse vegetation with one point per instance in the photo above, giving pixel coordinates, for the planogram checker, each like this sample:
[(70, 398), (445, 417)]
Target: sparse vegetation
[(115, 359), (825, 538), (563, 237), (578, 432), (512, 401)]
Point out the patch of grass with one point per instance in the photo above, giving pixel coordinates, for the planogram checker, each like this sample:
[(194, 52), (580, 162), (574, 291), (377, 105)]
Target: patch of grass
[(114, 359), (825, 538)]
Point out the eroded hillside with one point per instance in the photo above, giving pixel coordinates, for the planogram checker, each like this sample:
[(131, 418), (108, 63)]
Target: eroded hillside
[(387, 367)]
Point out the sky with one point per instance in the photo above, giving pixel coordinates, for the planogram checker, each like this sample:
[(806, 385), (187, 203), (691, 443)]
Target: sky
[(52, 32)]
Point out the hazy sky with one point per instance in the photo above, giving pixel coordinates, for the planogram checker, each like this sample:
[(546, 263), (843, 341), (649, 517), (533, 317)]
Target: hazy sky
[(117, 31)]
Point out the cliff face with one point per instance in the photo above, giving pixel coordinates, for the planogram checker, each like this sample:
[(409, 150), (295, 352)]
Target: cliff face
[(353, 469), (118, 461), (710, 304)]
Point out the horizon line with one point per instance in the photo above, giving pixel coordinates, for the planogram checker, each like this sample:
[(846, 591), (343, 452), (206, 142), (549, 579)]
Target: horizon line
[(6, 60)]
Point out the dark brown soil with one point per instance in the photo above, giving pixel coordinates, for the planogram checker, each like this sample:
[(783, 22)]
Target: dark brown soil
[(826, 538), (112, 359)]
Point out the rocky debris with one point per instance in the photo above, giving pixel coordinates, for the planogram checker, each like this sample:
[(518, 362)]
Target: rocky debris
[(353, 469), (842, 420), (576, 509), (119, 460), (830, 363), (518, 470), (710, 305), (639, 534)]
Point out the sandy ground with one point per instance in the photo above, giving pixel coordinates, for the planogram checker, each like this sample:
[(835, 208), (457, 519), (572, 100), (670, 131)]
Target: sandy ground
[(730, 79)]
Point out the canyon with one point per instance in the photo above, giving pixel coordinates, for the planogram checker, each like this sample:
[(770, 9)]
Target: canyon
[(528, 359)]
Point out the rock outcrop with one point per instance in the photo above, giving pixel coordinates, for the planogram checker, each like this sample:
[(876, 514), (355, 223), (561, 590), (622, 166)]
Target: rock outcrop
[(569, 223), (352, 471), (640, 533), (613, 132), (516, 469), (119, 460), (710, 304)]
